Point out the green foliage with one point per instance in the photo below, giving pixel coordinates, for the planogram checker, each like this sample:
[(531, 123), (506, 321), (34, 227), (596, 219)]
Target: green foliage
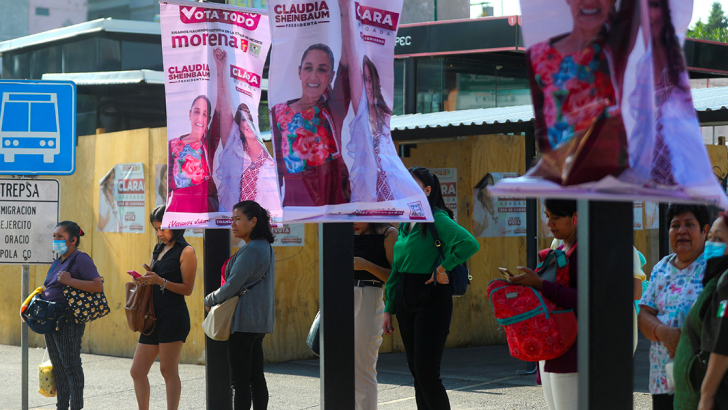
[(716, 29), (717, 19)]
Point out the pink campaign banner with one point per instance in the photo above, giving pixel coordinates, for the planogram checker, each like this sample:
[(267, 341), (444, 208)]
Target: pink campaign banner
[(614, 117), (213, 62), (331, 96)]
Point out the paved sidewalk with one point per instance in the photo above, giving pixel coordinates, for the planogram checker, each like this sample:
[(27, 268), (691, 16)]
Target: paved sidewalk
[(476, 378)]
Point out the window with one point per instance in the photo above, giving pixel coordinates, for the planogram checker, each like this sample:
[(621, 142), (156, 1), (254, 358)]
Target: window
[(42, 11), (80, 56), (137, 56)]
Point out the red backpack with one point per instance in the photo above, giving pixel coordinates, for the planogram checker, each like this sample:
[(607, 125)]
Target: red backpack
[(536, 329)]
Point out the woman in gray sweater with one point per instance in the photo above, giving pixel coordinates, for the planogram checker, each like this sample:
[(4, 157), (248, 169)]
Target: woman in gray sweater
[(250, 271)]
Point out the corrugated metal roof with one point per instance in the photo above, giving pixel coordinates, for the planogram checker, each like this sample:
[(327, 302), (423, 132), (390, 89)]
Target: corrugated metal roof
[(110, 77), (710, 99), (704, 99), (107, 24), (481, 116)]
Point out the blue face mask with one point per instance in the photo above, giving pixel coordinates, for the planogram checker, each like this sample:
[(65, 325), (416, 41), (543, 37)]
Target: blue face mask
[(714, 249), (60, 247)]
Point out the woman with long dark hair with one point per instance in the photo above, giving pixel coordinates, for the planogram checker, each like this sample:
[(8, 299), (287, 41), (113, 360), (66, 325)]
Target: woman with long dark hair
[(252, 271), (243, 168), (75, 269), (419, 292), (371, 145), (171, 273)]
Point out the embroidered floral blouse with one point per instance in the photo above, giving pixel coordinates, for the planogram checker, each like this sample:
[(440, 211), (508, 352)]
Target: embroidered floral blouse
[(671, 292), (189, 163), (576, 88), (307, 138)]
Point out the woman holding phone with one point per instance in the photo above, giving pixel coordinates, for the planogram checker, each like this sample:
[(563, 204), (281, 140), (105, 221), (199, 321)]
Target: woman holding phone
[(171, 272)]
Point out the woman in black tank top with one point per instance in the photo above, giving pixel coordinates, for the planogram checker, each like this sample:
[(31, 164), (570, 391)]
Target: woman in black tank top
[(171, 273), (373, 252)]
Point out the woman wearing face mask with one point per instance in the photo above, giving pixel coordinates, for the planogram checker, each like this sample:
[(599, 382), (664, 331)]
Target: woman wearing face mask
[(705, 329), (675, 283), (171, 272), (75, 269), (423, 308)]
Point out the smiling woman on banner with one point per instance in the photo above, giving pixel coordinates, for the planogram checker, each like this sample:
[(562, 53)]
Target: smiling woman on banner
[(243, 168), (675, 283), (191, 188), (576, 81), (374, 173), (307, 132)]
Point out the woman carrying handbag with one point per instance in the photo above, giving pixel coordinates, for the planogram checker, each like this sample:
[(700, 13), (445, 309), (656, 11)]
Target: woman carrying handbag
[(250, 274), (75, 269), (172, 277)]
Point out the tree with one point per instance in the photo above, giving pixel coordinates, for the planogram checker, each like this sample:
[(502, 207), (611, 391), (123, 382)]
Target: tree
[(716, 29), (717, 19)]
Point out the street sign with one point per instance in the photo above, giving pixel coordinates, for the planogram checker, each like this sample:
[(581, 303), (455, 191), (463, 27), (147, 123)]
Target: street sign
[(29, 210), (37, 127)]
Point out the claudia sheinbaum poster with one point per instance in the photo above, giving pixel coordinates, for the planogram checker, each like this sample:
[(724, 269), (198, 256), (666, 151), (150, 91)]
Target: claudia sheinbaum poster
[(614, 117), (331, 96)]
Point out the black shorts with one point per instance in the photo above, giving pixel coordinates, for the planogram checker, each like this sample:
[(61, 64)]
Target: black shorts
[(172, 325)]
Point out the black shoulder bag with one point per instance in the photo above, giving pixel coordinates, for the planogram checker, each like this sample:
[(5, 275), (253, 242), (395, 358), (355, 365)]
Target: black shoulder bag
[(459, 275)]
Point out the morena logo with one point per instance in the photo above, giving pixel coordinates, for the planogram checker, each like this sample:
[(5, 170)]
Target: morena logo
[(379, 18), (191, 15)]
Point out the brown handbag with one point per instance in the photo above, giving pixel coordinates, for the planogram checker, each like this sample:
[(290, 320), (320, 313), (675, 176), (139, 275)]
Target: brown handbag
[(139, 308)]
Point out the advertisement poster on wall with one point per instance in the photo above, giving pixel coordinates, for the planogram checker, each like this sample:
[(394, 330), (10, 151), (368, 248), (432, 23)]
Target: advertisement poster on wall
[(122, 198), (497, 216), (331, 97), (652, 215), (449, 185), (213, 58), (614, 117), (637, 219)]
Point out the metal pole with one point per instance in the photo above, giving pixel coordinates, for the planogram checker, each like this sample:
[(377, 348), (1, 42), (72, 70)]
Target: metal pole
[(532, 219), (24, 292), (336, 301), (605, 280), (664, 236), (216, 244)]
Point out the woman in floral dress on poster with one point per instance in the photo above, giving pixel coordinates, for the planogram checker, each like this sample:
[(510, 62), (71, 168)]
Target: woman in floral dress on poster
[(191, 188), (307, 133), (576, 81)]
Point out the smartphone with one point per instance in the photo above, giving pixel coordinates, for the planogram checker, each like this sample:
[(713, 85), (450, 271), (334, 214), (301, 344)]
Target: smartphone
[(134, 274), (505, 272)]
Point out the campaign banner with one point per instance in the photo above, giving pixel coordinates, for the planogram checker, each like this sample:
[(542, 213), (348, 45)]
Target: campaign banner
[(331, 96), (498, 216), (614, 117), (122, 197), (213, 64)]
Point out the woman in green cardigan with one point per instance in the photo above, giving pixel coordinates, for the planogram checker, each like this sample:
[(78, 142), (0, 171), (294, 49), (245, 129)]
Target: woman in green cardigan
[(419, 291)]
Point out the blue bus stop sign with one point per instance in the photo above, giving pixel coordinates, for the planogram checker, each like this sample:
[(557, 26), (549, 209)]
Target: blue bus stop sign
[(37, 127)]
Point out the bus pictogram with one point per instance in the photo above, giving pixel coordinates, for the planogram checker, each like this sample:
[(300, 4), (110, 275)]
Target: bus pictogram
[(29, 125)]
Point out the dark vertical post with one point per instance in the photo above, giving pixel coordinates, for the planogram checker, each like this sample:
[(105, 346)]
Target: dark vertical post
[(336, 301), (410, 86), (664, 236), (531, 206), (605, 236), (216, 243), (531, 224)]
